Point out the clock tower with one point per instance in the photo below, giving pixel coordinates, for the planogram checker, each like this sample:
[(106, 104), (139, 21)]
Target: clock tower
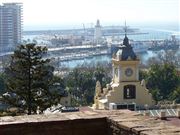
[(125, 64), (125, 89)]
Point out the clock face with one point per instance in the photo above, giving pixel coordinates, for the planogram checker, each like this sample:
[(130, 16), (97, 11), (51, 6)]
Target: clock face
[(128, 72)]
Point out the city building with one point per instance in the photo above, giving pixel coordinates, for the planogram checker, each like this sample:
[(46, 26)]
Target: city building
[(125, 91), (10, 26), (97, 33)]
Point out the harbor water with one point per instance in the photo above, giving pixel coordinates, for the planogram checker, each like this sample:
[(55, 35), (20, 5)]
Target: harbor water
[(153, 34)]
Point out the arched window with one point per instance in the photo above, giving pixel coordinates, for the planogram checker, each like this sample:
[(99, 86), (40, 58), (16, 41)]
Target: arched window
[(129, 92)]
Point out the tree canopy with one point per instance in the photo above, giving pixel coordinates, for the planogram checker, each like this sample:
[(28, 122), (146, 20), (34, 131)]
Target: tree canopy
[(2, 83), (81, 83), (29, 77), (162, 80)]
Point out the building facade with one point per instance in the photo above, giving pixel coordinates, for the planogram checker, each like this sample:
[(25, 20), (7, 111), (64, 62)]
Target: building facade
[(125, 90), (10, 26)]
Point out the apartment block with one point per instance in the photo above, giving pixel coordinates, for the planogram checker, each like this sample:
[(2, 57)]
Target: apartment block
[(10, 26)]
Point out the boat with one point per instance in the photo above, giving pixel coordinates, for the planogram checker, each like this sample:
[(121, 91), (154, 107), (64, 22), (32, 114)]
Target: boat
[(140, 46), (169, 44)]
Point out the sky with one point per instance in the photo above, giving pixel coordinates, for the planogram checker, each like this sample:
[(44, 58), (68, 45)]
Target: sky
[(51, 14)]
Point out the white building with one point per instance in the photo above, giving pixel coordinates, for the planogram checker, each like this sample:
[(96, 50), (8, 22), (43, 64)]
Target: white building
[(97, 32), (10, 26)]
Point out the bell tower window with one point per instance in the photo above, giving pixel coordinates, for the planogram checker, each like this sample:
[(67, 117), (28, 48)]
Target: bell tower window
[(129, 92)]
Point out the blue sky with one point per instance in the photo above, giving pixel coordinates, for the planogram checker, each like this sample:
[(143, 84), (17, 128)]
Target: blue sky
[(41, 14)]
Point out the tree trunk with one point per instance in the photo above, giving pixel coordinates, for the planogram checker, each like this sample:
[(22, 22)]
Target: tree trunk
[(29, 84)]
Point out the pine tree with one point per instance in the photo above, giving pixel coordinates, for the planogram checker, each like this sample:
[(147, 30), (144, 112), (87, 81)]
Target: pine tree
[(29, 77)]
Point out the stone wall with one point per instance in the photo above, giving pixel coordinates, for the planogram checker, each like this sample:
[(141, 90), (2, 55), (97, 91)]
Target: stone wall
[(99, 122), (96, 126)]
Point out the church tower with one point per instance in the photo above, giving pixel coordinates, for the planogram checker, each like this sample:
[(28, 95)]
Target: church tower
[(125, 89), (125, 64)]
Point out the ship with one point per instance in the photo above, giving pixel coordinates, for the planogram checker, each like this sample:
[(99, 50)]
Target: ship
[(169, 44)]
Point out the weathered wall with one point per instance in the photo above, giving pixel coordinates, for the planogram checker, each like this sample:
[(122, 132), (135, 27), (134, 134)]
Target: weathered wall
[(97, 122), (96, 126)]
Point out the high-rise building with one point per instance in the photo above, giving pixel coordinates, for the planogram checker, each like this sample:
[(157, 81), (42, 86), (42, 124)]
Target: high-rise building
[(10, 26)]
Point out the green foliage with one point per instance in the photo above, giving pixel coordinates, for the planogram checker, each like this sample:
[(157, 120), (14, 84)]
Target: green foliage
[(29, 77), (162, 80), (99, 74), (57, 87), (81, 83), (2, 83), (143, 74), (176, 95), (156, 94)]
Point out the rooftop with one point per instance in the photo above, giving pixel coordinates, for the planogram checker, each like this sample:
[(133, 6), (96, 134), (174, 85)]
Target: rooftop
[(88, 122), (125, 51)]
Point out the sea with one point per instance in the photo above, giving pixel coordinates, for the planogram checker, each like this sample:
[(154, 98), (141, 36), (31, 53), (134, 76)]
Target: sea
[(153, 34)]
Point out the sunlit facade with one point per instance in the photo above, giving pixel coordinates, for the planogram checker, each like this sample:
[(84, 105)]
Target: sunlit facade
[(10, 26)]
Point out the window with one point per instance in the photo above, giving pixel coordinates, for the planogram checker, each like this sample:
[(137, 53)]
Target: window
[(129, 92), (131, 106)]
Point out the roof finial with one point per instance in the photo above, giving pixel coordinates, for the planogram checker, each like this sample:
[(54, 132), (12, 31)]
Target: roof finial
[(126, 40), (125, 29)]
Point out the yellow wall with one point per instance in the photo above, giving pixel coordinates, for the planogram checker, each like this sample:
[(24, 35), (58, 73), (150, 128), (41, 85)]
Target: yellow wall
[(122, 66), (143, 96), (120, 79)]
